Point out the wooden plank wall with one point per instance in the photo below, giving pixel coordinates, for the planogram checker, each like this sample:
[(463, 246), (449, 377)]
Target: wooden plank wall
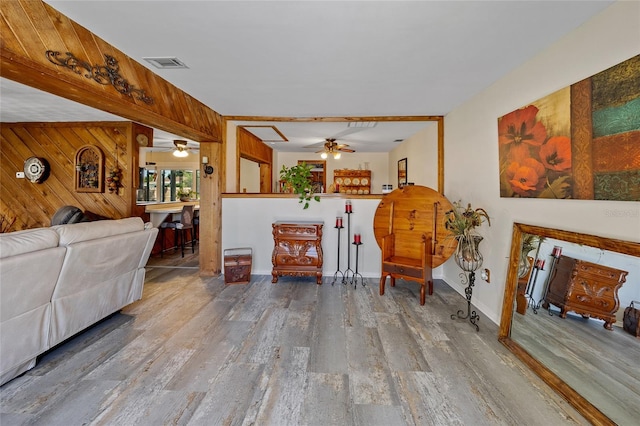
[(253, 148), (30, 28), (33, 204)]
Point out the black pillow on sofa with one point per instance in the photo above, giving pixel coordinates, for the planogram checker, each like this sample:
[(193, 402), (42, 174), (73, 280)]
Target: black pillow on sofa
[(73, 214), (67, 214)]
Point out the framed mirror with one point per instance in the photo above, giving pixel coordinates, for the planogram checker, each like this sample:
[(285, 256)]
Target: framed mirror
[(402, 172), (594, 368)]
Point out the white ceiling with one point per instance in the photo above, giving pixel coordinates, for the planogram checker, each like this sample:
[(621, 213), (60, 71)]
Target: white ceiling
[(322, 58)]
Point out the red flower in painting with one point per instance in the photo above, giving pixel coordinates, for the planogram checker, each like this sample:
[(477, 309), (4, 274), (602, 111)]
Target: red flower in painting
[(556, 153), (520, 127), (525, 177)]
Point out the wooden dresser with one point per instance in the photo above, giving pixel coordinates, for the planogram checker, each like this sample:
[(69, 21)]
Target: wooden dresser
[(585, 288), (297, 249)]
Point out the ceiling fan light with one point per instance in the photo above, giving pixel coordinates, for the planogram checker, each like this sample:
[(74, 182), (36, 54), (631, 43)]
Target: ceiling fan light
[(323, 155), (180, 153), (337, 155)]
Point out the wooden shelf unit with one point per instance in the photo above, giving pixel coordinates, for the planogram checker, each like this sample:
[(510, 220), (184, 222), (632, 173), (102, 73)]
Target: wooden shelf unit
[(345, 179)]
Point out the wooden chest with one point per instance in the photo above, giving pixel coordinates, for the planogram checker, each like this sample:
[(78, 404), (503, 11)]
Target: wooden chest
[(586, 288), (297, 249), (237, 265)]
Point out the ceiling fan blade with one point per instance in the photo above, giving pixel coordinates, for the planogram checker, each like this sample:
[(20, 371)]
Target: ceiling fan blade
[(315, 145), (346, 150), (347, 131)]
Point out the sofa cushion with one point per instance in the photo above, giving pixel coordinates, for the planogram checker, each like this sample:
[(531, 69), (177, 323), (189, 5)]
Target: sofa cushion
[(30, 264), (78, 232), (29, 240)]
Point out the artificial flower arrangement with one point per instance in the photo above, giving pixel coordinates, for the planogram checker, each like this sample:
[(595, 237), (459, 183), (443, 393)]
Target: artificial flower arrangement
[(461, 223)]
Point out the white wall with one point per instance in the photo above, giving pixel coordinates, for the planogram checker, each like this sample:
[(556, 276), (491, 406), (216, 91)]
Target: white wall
[(244, 228), (249, 176), (166, 160), (421, 152), (378, 164), (471, 149), (232, 146)]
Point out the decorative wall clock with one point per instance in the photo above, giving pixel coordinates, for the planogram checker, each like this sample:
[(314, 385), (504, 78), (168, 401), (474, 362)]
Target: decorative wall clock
[(36, 169)]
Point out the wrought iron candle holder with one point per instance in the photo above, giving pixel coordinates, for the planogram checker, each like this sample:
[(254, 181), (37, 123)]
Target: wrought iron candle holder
[(354, 278), (531, 286), (556, 254), (469, 258), (472, 315), (348, 273), (338, 271)]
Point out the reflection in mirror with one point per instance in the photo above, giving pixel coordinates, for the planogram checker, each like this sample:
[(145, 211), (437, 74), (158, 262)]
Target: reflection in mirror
[(563, 310)]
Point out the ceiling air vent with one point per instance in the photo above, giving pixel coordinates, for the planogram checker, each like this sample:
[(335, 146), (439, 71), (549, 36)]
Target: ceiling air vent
[(166, 63), (365, 124)]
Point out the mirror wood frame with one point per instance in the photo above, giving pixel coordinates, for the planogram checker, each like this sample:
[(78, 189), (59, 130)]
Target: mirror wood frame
[(588, 410)]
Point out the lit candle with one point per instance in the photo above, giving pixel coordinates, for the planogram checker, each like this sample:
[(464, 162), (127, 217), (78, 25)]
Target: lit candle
[(347, 207), (339, 222), (356, 238)]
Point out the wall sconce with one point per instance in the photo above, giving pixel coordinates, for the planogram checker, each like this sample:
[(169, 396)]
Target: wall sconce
[(208, 169)]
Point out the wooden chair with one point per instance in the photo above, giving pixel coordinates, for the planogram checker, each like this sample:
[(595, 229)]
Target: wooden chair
[(409, 266), (409, 228)]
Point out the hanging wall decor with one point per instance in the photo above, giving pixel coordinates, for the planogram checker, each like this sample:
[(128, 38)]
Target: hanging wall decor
[(581, 142), (109, 73), (89, 169), (114, 180)]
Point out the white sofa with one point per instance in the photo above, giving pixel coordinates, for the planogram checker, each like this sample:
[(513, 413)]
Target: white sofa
[(55, 282)]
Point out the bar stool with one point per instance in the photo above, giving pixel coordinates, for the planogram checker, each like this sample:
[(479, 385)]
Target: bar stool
[(196, 224), (179, 228), (186, 224)]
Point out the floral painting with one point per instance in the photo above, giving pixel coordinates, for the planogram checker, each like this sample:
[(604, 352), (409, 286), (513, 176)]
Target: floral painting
[(582, 141), (535, 149)]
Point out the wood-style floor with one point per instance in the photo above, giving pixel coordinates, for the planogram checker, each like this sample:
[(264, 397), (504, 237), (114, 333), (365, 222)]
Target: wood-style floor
[(196, 351), (602, 365)]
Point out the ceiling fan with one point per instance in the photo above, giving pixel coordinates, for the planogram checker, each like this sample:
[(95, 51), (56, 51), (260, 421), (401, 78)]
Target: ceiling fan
[(181, 149), (331, 147)]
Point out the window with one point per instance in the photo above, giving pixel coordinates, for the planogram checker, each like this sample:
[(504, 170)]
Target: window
[(168, 185)]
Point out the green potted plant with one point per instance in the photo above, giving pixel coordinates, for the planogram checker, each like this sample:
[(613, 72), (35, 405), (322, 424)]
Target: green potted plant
[(298, 179), (183, 194)]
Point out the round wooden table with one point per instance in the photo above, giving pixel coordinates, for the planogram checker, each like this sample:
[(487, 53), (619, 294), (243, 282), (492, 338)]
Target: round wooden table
[(410, 212)]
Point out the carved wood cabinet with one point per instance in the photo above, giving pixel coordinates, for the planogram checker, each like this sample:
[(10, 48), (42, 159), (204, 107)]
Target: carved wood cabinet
[(585, 288), (297, 249)]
